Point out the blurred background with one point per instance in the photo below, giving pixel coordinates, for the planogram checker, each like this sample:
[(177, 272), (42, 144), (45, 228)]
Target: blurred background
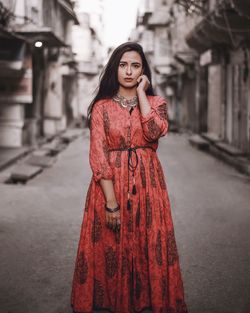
[(51, 55), (52, 52)]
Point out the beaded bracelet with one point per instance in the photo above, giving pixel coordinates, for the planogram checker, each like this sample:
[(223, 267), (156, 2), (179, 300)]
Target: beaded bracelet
[(112, 210)]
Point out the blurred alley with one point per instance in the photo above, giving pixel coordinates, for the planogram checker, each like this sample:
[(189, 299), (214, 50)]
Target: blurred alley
[(41, 221), (52, 53)]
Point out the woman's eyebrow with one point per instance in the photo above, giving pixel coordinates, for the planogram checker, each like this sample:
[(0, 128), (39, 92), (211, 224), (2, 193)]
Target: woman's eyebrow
[(131, 62)]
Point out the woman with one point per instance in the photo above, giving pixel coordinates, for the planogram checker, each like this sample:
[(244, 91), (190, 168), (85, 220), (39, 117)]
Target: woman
[(127, 258)]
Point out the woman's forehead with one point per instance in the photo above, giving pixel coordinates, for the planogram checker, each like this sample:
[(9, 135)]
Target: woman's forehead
[(131, 56)]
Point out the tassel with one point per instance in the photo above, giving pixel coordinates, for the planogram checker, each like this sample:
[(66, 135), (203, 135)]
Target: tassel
[(128, 202), (134, 190)]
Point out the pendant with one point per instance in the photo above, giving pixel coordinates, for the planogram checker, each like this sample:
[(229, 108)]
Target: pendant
[(125, 103)]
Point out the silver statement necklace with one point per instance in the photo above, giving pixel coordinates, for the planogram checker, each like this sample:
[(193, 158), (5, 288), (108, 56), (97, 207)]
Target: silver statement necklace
[(126, 103)]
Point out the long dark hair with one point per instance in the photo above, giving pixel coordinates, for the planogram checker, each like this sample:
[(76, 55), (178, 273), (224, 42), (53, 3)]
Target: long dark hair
[(109, 84)]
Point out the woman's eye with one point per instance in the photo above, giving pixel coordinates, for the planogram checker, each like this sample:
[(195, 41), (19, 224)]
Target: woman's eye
[(122, 65)]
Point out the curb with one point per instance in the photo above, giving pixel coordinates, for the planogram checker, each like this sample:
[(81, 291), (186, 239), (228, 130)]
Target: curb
[(28, 150), (216, 148), (17, 157)]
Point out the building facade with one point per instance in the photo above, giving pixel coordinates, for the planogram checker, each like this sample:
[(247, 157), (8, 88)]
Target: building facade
[(221, 39), (161, 29), (89, 50), (200, 60), (38, 77)]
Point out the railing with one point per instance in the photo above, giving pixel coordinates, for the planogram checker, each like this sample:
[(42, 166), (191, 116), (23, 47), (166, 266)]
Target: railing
[(194, 6), (6, 8)]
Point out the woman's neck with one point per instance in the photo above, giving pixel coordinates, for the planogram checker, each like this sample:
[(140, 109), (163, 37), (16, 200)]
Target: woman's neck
[(127, 93)]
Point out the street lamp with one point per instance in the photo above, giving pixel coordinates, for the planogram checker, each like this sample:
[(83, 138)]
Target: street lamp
[(38, 44)]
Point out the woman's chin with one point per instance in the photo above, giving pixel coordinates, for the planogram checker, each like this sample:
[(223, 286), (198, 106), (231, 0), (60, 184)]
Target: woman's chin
[(131, 84)]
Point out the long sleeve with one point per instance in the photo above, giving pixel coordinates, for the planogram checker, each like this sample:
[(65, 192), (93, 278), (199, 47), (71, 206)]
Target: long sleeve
[(98, 154), (155, 123)]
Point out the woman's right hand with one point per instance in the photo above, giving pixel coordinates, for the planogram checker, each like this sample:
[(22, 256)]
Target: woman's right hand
[(113, 220)]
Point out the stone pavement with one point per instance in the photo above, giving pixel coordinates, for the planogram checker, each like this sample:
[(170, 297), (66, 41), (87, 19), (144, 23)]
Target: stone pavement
[(10, 155), (40, 225)]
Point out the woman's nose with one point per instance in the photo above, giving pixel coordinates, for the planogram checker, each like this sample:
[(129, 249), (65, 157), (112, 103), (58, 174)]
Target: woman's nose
[(128, 71)]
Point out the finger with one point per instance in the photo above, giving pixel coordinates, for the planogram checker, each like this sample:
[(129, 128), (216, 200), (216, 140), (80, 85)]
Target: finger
[(114, 224), (139, 79), (111, 221), (108, 221), (118, 225), (111, 226), (108, 225), (118, 219), (107, 218)]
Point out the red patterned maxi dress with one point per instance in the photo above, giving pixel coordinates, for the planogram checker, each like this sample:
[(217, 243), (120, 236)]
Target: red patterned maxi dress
[(138, 267)]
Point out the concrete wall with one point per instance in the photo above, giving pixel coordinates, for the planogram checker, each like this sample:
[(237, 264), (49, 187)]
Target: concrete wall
[(82, 39), (11, 124), (54, 115), (87, 45), (87, 86), (187, 109), (238, 100), (214, 99)]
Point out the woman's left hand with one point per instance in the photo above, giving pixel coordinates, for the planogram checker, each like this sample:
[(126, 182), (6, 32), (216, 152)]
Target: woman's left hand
[(143, 83)]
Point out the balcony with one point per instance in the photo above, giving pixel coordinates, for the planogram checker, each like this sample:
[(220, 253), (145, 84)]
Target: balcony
[(50, 24), (160, 18), (222, 27)]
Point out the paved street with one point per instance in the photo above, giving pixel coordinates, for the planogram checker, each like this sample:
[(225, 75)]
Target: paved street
[(40, 225)]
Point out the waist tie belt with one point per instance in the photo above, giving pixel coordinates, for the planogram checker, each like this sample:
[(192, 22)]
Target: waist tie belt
[(132, 167)]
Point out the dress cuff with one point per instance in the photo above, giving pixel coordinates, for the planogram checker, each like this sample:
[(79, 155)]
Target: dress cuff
[(98, 175), (148, 116)]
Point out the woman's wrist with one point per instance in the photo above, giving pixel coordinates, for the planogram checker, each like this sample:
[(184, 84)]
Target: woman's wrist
[(112, 210), (140, 91), (111, 203)]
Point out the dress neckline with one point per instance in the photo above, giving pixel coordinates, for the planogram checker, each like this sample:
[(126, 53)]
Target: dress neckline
[(130, 111)]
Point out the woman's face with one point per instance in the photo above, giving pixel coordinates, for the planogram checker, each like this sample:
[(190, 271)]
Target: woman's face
[(130, 68)]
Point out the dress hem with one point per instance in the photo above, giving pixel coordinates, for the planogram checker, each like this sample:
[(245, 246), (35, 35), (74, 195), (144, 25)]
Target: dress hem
[(108, 310)]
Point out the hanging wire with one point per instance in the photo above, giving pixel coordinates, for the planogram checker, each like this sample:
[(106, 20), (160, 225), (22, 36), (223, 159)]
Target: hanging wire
[(192, 6), (229, 29), (7, 14), (233, 30), (210, 19), (212, 22)]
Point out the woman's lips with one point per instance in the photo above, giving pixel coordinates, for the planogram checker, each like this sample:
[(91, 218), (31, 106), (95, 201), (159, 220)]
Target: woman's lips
[(128, 79)]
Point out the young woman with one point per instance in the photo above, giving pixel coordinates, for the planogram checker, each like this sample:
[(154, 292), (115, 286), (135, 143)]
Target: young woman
[(127, 259)]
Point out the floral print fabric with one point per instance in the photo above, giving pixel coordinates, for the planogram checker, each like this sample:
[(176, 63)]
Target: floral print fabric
[(138, 267)]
